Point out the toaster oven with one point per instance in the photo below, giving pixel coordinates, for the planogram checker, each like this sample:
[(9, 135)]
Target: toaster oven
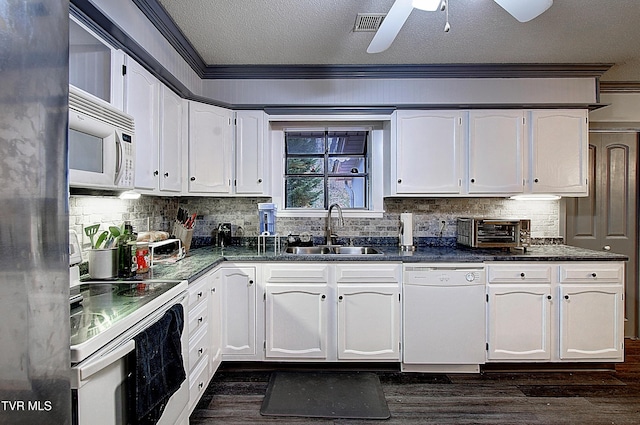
[(494, 233)]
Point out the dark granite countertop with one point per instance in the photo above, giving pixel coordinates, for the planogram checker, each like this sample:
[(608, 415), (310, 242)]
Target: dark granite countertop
[(200, 260)]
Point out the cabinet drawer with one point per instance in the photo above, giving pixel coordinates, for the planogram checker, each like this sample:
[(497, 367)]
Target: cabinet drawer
[(198, 381), (198, 293), (591, 273), (198, 348), (198, 318), (370, 273), (519, 273), (294, 273)]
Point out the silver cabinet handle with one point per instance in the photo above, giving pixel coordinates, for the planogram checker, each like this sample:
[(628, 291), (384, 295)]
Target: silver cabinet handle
[(607, 248)]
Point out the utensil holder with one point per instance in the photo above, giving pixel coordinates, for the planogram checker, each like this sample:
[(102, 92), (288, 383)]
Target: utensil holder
[(103, 263), (185, 235)]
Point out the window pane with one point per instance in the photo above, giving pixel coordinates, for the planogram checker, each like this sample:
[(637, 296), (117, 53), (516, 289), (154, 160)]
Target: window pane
[(346, 165), (348, 192), (305, 192), (305, 166), (307, 142), (351, 142)]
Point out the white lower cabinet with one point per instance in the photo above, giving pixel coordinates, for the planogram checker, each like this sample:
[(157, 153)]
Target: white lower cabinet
[(555, 312), (199, 319), (591, 301), (296, 320), (321, 311), (238, 312)]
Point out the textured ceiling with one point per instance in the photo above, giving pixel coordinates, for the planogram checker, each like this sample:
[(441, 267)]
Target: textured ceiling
[(243, 32)]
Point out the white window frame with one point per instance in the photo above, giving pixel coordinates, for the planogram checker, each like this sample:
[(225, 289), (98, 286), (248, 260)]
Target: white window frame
[(374, 125)]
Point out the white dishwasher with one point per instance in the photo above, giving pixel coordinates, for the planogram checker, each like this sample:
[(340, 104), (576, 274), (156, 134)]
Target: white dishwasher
[(443, 317)]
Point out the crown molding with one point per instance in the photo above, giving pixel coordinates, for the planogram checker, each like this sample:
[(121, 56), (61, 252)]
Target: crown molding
[(619, 86)]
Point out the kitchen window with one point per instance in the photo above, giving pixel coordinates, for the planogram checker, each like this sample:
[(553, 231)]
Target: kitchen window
[(324, 167)]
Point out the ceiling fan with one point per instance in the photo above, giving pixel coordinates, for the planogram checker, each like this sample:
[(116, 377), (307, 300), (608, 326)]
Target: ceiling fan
[(523, 11)]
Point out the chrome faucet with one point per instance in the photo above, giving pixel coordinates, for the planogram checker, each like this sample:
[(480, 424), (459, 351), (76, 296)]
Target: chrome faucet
[(328, 233)]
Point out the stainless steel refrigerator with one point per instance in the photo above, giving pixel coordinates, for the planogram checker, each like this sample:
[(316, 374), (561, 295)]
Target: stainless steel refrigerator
[(34, 272)]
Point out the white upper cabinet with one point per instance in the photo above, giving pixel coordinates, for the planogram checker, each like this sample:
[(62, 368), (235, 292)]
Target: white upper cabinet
[(94, 65), (496, 152), (172, 137), (250, 153), (210, 149), (160, 119), (428, 153), (488, 153), (559, 149), (142, 91)]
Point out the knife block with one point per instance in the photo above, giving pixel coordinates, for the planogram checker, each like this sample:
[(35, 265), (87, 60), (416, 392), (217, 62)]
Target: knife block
[(185, 235)]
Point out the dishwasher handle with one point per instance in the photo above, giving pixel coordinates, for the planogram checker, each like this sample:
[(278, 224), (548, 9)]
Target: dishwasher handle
[(94, 366)]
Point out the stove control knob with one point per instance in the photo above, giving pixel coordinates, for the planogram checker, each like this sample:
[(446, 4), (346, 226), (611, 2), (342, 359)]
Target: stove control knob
[(470, 277)]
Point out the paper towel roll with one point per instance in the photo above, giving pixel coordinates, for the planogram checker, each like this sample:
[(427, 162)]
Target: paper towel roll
[(406, 239)]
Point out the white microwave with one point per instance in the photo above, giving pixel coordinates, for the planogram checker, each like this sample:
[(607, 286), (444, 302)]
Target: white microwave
[(101, 143)]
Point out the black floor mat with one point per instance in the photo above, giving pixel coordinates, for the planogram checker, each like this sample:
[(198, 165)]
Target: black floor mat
[(348, 395)]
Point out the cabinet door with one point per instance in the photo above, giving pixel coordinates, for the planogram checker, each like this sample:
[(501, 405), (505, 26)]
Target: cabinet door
[(250, 152), (238, 310), (591, 322), (559, 152), (496, 153), (296, 321), (519, 322), (141, 101), (171, 139), (209, 149), (428, 152), (368, 322), (215, 321)]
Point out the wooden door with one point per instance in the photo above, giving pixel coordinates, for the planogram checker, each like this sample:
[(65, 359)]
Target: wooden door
[(606, 219)]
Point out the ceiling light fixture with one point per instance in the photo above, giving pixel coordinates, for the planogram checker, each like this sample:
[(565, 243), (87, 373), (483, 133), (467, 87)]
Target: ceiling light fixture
[(428, 5), (535, 197), (524, 11)]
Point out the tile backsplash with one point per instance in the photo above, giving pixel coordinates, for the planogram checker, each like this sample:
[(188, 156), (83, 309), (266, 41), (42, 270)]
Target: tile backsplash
[(432, 217)]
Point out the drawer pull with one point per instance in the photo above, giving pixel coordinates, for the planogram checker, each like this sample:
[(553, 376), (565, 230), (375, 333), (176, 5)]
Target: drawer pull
[(566, 297), (340, 297), (251, 282), (200, 385), (522, 275), (593, 275), (548, 297), (200, 351), (323, 297), (200, 319), (200, 294)]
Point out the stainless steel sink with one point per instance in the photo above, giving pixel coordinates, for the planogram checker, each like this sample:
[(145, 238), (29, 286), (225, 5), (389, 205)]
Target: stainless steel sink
[(308, 250), (356, 250), (332, 249)]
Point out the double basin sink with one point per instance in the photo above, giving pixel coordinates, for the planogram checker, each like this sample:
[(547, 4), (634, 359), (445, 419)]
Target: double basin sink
[(332, 250)]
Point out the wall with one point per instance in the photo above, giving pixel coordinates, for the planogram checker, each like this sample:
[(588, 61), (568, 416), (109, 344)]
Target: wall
[(155, 213), (372, 92), (146, 213)]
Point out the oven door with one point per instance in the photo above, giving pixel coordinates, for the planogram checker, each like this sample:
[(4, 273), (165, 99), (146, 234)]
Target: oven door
[(99, 383), (497, 234)]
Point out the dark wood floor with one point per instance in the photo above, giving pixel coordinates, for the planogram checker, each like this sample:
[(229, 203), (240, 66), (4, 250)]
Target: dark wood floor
[(579, 397)]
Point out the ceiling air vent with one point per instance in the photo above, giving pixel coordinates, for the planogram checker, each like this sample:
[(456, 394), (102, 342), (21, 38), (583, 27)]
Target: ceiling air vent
[(368, 22)]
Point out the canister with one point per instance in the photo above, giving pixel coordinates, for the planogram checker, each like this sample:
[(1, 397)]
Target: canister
[(142, 257)]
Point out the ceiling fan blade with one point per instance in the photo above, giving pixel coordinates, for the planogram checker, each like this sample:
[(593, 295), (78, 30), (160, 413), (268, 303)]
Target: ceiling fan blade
[(524, 11), (390, 26)]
